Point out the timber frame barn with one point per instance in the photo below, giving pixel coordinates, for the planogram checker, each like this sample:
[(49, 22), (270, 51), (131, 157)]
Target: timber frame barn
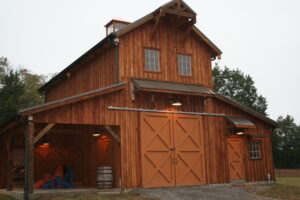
[(147, 90)]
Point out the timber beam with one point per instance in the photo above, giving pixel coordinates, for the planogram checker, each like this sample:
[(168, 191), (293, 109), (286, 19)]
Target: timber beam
[(112, 133), (180, 13), (42, 132), (158, 17)]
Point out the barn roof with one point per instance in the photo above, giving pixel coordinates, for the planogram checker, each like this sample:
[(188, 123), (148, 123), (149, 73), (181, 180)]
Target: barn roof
[(246, 109), (147, 85), (240, 122), (127, 29)]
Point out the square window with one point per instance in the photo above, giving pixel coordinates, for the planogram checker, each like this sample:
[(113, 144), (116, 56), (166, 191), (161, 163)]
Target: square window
[(184, 64), (254, 149), (151, 60)]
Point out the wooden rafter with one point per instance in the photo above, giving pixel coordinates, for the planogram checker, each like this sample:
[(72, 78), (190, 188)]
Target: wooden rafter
[(113, 134), (42, 132), (188, 31), (158, 17)]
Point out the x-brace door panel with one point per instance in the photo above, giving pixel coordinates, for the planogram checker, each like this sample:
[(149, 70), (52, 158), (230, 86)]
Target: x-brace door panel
[(157, 155)]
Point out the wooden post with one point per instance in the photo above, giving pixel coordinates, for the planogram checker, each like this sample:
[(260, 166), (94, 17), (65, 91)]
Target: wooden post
[(9, 163), (30, 156)]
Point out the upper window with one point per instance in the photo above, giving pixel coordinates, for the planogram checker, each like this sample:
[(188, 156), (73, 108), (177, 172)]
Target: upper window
[(152, 60), (254, 149), (184, 64)]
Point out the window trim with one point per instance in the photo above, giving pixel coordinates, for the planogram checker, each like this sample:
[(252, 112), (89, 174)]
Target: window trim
[(260, 142), (144, 60), (177, 64)]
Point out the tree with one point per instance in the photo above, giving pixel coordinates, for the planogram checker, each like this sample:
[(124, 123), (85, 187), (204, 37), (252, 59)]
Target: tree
[(12, 89), (286, 143), (239, 87), (18, 90)]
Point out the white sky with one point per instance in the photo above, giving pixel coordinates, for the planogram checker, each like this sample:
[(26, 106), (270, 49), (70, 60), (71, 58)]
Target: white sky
[(260, 37)]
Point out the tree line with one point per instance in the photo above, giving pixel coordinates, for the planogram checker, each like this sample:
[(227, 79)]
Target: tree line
[(19, 89)]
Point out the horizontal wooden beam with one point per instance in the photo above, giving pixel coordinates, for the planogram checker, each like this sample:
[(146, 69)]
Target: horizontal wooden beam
[(72, 99), (112, 133), (180, 13), (42, 132)]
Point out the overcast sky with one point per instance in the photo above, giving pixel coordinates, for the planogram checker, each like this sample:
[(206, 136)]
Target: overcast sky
[(260, 37)]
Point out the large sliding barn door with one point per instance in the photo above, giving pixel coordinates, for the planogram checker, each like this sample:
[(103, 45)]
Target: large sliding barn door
[(157, 156), (236, 159), (188, 136), (172, 150)]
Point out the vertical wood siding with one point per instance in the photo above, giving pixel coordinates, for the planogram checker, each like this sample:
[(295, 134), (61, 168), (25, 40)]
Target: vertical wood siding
[(168, 40), (96, 72)]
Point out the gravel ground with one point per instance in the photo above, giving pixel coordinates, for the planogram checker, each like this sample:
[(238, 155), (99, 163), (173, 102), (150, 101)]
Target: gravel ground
[(205, 193)]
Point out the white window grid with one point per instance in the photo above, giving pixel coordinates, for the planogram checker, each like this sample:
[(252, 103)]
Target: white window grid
[(255, 149), (184, 65), (152, 60)]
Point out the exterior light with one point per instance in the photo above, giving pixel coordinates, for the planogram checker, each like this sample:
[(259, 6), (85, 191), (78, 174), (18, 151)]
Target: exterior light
[(176, 103), (46, 143), (96, 134), (240, 133)]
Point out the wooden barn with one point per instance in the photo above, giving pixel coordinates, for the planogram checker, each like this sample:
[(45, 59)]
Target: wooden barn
[(142, 102)]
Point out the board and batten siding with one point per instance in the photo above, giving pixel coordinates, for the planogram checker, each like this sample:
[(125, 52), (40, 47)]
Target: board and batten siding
[(94, 72), (256, 170), (168, 40)]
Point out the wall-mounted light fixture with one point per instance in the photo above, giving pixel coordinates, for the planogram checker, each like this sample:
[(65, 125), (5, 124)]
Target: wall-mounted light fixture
[(174, 100), (45, 142), (240, 133), (176, 103), (98, 131)]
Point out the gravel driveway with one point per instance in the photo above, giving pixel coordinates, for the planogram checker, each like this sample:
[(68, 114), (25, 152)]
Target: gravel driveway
[(205, 193)]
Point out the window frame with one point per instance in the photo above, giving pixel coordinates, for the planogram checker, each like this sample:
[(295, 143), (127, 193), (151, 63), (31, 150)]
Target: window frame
[(144, 60), (191, 66), (250, 151)]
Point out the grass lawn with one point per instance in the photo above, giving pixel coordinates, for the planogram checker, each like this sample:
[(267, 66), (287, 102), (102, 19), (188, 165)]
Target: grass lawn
[(5, 197), (92, 196), (292, 181), (287, 188)]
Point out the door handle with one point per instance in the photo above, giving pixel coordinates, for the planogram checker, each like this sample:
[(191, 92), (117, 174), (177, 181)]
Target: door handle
[(172, 149)]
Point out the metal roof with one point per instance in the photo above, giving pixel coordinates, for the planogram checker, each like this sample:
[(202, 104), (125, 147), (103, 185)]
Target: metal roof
[(170, 86), (246, 109), (239, 121)]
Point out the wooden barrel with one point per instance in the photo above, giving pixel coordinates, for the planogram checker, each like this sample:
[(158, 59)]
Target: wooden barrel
[(104, 177)]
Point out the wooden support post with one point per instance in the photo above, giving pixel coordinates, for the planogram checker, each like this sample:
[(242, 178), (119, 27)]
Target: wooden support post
[(112, 133), (178, 2), (30, 156), (9, 164), (43, 132)]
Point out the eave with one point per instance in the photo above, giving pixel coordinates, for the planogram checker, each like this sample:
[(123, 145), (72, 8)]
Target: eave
[(71, 99)]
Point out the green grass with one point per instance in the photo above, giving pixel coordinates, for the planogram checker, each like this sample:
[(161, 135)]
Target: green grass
[(292, 181), (286, 188), (5, 197)]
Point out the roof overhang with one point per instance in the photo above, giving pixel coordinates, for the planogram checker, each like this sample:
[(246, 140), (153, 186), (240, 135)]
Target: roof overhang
[(72, 99), (246, 109), (239, 122), (170, 87)]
